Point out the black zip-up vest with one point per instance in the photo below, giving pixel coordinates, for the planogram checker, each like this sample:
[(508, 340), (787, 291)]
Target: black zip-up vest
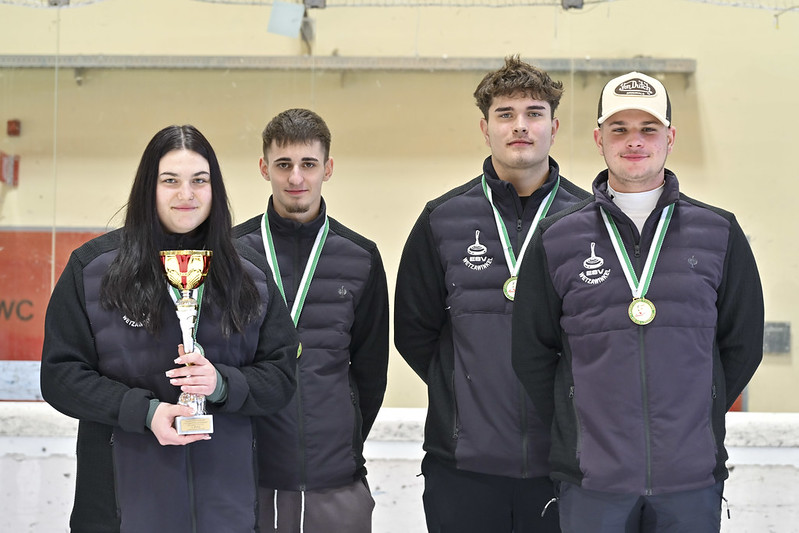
[(479, 416), (315, 442)]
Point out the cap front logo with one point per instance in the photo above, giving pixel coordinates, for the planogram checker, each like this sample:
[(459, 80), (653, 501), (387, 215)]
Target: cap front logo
[(635, 87)]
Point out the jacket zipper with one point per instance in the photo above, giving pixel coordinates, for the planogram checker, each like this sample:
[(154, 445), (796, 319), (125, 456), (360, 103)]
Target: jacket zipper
[(301, 435), (116, 477), (455, 429), (525, 436), (713, 396), (190, 476), (523, 395), (645, 401), (357, 423), (579, 443), (256, 479), (297, 276), (644, 391)]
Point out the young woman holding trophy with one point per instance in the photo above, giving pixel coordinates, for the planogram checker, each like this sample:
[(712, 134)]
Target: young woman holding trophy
[(167, 307)]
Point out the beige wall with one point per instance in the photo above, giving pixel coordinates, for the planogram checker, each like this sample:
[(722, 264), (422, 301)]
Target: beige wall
[(402, 138)]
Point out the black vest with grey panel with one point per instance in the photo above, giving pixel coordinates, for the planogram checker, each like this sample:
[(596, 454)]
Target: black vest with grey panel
[(315, 442)]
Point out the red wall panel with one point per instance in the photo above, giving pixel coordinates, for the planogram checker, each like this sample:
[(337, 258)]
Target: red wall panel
[(26, 259)]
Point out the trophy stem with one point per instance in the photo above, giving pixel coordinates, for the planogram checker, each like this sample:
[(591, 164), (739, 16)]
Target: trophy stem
[(187, 316)]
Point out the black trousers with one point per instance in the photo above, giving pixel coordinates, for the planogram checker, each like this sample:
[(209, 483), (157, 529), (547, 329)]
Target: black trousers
[(589, 511), (458, 501)]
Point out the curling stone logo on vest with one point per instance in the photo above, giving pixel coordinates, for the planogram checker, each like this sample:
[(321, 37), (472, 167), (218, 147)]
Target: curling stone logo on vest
[(594, 274), (476, 258)]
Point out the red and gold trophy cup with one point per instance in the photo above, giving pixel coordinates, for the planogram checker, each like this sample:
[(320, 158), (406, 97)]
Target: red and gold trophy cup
[(186, 270)]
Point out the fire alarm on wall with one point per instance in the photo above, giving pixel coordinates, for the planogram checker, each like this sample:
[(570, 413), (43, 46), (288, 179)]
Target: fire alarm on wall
[(13, 128)]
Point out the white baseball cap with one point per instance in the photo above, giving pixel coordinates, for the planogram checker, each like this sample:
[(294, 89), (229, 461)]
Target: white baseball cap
[(635, 91)]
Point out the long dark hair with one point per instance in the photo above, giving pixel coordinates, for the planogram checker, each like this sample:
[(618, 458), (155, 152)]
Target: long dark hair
[(135, 282)]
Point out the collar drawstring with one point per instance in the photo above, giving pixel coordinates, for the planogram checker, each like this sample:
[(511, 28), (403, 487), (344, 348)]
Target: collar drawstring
[(550, 502), (302, 514), (275, 504)]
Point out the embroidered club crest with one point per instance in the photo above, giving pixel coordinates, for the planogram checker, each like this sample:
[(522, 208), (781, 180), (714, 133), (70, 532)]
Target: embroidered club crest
[(593, 272), (476, 258)]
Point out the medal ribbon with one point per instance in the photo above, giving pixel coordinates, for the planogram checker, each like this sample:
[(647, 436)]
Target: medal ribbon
[(310, 265), (507, 247), (639, 289)]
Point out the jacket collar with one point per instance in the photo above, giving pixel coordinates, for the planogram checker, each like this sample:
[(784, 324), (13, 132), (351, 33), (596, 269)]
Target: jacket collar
[(194, 240), (286, 226), (670, 194), (504, 192)]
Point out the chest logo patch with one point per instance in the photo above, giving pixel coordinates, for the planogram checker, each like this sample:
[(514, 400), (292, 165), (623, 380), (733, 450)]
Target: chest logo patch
[(593, 273), (476, 258), (132, 323)]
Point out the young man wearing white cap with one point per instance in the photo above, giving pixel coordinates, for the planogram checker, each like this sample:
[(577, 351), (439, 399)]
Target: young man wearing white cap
[(638, 322)]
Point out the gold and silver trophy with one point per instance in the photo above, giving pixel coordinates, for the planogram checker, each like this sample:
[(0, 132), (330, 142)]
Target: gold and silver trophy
[(186, 270)]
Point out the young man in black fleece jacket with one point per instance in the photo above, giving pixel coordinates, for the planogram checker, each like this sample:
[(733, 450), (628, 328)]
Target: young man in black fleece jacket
[(310, 454), (486, 464)]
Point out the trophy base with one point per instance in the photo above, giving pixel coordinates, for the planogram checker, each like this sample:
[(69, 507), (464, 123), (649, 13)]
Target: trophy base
[(194, 425)]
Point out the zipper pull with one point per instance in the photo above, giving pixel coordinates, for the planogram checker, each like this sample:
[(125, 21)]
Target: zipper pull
[(518, 224)]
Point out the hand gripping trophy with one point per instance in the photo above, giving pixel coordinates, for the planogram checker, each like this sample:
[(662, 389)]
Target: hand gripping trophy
[(186, 270)]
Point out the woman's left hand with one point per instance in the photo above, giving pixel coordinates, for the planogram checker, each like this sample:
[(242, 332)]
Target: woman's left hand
[(198, 377)]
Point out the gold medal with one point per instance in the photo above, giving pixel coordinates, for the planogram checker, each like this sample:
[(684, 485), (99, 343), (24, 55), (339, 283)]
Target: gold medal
[(510, 288), (641, 311)]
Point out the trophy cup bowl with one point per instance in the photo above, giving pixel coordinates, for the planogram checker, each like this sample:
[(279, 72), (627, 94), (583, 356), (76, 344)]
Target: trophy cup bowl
[(186, 270)]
